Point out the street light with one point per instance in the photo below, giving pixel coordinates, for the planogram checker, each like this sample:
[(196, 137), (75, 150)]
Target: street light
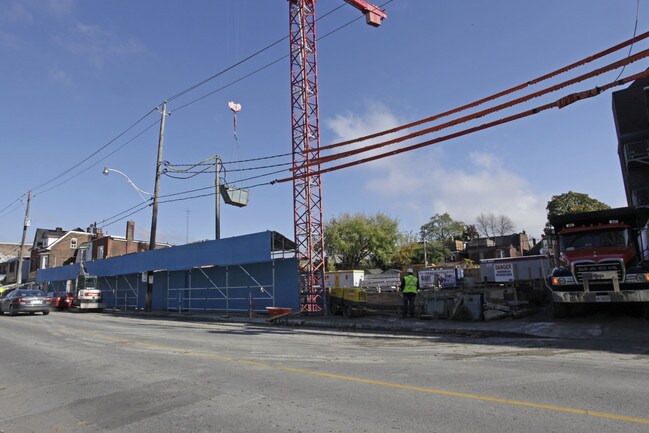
[(107, 171)]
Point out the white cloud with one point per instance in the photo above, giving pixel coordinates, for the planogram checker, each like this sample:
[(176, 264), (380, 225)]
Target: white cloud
[(60, 7), (421, 183), (96, 44), (17, 12), (62, 77), (351, 125)]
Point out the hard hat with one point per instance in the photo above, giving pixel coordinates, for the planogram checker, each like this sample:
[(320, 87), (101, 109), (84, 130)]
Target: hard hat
[(409, 270)]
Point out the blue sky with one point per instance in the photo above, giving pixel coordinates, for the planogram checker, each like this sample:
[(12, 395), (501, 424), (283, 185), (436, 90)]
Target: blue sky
[(78, 73)]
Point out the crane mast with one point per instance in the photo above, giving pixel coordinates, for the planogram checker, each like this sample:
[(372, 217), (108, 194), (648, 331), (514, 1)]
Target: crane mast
[(307, 187)]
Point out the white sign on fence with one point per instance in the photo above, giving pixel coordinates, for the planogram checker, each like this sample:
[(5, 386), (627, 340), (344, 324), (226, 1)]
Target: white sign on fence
[(504, 272), (437, 278)]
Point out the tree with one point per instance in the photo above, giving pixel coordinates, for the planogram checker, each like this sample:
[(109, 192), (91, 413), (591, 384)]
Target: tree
[(406, 251), (441, 228), (486, 224), (470, 233), (361, 240), (492, 225), (571, 202), (504, 225)]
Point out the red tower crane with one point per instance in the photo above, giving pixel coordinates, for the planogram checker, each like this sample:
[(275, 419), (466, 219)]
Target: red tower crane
[(307, 188)]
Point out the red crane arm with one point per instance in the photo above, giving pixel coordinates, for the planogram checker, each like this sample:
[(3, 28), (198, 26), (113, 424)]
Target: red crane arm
[(373, 14)]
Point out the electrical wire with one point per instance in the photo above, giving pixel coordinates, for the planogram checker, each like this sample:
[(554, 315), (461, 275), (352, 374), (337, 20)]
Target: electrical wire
[(492, 97), (267, 65), (635, 29), (123, 212), (12, 203), (261, 167), (100, 160), (560, 103), (229, 68), (125, 216), (482, 113), (186, 192), (6, 213), (94, 153)]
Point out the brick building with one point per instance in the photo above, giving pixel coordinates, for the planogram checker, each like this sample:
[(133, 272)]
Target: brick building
[(514, 245)]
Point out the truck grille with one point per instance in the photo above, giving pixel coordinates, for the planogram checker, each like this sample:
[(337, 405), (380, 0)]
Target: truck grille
[(586, 267)]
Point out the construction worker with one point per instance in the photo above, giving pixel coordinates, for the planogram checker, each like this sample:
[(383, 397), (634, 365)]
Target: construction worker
[(409, 287)]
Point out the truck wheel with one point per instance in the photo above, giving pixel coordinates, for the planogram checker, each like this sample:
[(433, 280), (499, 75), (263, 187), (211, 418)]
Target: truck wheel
[(560, 310), (333, 308), (348, 311)]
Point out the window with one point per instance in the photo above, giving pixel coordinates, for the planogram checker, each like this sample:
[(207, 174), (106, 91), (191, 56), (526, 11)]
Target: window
[(45, 262), (73, 243), (100, 252)]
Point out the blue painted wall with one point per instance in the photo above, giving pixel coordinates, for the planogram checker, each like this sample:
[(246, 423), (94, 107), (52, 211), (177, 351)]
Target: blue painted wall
[(243, 264)]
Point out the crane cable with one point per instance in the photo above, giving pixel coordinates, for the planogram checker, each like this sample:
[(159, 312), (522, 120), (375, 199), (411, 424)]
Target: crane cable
[(509, 104), (560, 103), (494, 96)]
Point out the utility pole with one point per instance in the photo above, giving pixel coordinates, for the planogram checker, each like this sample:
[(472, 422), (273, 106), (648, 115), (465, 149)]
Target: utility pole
[(425, 254), (217, 203), (19, 276), (187, 232), (154, 214)]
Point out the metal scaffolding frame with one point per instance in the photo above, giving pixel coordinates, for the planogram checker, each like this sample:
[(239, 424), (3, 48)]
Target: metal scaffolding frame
[(214, 298)]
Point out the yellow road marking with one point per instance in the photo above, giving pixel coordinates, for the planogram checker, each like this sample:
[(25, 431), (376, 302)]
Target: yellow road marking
[(499, 400), (150, 346)]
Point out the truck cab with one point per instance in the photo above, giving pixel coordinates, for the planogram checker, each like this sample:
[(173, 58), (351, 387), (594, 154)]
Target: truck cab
[(87, 296), (602, 257)]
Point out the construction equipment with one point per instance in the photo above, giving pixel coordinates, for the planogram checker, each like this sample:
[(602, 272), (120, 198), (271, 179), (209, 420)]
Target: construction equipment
[(350, 301), (602, 258), (307, 187), (87, 297)]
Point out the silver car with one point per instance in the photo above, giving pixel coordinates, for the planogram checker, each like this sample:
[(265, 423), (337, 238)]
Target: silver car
[(25, 301)]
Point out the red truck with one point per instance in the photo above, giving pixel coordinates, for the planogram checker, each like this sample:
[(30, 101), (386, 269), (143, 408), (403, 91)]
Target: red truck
[(602, 257)]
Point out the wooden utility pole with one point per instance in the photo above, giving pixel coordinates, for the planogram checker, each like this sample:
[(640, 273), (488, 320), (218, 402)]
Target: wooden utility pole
[(154, 214), (217, 203), (19, 272)]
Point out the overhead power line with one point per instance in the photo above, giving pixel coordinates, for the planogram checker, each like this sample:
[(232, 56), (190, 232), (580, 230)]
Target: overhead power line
[(117, 137), (99, 160), (492, 97), (560, 103), (479, 114), (263, 67)]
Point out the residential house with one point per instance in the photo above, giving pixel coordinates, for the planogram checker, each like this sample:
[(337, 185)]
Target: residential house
[(56, 247), (514, 245), (9, 262), (105, 246)]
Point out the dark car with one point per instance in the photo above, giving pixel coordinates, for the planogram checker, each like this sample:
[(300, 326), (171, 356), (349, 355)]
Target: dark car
[(60, 300), (25, 301)]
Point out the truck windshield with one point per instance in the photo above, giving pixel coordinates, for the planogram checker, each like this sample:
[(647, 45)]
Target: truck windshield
[(86, 282), (595, 238)]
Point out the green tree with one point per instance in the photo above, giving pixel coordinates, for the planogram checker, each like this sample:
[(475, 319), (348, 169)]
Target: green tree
[(358, 240), (406, 252), (470, 233), (441, 228), (572, 202)]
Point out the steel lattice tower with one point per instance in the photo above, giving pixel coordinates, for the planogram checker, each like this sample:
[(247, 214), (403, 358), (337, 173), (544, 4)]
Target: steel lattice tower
[(307, 188)]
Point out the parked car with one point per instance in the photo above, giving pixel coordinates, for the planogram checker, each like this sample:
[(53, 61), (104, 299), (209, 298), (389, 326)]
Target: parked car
[(25, 301), (60, 300)]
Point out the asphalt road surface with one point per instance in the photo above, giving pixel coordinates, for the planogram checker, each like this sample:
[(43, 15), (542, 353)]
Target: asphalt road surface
[(97, 372)]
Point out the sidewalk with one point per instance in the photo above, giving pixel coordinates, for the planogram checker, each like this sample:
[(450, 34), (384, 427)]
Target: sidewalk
[(610, 328)]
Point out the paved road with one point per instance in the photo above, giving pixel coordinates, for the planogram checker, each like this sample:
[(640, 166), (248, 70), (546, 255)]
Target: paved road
[(97, 372)]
